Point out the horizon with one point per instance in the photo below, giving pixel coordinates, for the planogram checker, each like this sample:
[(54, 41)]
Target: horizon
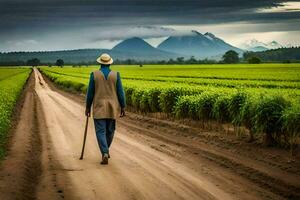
[(150, 42), (33, 25)]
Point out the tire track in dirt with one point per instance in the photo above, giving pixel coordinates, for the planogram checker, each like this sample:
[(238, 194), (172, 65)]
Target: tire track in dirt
[(25, 173), (32, 161), (275, 185), (21, 168)]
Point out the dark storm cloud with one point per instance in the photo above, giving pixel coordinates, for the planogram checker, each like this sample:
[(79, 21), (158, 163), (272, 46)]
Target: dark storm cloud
[(93, 20), (74, 13)]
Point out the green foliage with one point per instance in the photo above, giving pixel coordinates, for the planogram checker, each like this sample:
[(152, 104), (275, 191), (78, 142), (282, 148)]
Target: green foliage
[(276, 55), (268, 116), (221, 108), (168, 98), (183, 106), (60, 62), (236, 103), (257, 98), (254, 60), (291, 123), (11, 85), (248, 111), (231, 57), (33, 62), (152, 99), (203, 105)]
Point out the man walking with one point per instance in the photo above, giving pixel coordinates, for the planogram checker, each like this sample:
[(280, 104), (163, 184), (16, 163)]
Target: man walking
[(105, 92)]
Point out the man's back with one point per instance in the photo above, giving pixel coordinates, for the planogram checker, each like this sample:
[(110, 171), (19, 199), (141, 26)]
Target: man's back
[(106, 104)]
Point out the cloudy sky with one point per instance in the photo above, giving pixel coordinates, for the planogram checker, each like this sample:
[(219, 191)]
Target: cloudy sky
[(28, 25)]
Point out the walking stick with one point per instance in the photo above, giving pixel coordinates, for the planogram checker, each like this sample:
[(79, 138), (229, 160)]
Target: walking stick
[(84, 137)]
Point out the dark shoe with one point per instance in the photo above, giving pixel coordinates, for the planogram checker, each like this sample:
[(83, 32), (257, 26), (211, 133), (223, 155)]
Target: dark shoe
[(104, 159)]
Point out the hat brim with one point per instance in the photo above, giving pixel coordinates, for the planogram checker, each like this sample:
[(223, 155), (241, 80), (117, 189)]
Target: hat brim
[(105, 63)]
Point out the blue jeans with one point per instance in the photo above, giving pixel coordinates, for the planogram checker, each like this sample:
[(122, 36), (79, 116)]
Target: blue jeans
[(105, 129)]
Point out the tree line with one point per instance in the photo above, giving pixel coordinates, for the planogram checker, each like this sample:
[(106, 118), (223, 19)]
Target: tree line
[(285, 55)]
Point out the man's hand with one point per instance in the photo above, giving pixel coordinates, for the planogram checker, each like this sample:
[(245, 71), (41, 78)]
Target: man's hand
[(122, 112), (88, 112)]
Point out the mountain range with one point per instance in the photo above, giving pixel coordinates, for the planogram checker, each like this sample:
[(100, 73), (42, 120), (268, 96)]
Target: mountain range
[(136, 48), (256, 46), (197, 45), (194, 44)]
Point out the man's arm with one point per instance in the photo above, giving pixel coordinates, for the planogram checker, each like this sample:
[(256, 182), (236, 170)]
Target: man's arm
[(121, 94), (90, 95)]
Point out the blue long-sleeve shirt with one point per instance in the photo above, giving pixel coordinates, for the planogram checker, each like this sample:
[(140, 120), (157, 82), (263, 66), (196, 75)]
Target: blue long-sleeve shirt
[(91, 88)]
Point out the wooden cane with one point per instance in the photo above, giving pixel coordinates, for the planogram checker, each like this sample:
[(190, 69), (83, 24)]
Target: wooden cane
[(84, 137)]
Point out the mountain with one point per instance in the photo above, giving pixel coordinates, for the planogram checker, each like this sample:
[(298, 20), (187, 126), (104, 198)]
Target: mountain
[(257, 46), (135, 45), (136, 48), (197, 44), (133, 48)]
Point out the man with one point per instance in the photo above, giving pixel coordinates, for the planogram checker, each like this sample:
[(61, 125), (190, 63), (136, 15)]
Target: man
[(106, 94)]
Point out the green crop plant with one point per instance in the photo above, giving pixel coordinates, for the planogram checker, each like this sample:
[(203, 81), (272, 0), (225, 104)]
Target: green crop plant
[(235, 106), (220, 110), (11, 84), (291, 125), (236, 94), (248, 112), (182, 107), (153, 99), (268, 118)]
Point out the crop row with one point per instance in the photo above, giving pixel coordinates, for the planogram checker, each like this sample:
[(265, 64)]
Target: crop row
[(211, 81), (262, 72), (9, 72), (275, 114), (10, 89)]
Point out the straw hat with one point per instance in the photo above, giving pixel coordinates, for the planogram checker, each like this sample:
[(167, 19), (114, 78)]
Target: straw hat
[(105, 59)]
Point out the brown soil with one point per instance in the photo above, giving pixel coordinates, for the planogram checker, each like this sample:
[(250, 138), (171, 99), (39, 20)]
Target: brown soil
[(151, 158)]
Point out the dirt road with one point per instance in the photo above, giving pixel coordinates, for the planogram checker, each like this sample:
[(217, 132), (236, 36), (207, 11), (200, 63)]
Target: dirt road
[(151, 158)]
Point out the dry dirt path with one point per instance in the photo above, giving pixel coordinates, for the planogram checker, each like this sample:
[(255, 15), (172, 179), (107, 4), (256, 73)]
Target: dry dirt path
[(135, 171), (151, 158)]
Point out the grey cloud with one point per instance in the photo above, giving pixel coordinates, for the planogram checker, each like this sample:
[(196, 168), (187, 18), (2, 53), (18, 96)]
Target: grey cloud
[(117, 33), (118, 12), (94, 20)]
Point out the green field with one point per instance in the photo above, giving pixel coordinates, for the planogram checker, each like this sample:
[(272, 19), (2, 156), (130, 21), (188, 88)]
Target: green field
[(12, 81), (264, 98)]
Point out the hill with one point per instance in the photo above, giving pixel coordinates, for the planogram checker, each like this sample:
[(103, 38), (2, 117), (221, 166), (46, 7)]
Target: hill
[(276, 55), (136, 48), (133, 48), (69, 56)]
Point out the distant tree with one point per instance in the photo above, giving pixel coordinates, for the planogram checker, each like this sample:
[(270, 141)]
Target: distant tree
[(276, 55), (180, 60), (192, 60), (129, 61), (33, 62), (171, 61), (231, 57), (60, 62), (254, 60)]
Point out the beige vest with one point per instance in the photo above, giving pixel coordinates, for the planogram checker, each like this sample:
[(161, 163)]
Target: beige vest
[(105, 104)]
